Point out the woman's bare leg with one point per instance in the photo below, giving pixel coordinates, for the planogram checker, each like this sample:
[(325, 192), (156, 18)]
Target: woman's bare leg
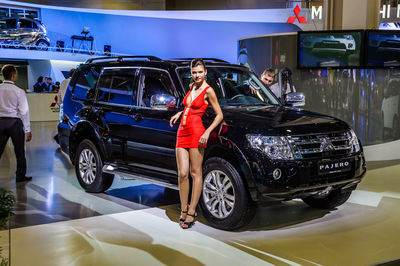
[(196, 161), (182, 159)]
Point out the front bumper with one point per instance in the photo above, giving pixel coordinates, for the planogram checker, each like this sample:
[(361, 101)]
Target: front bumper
[(300, 178)]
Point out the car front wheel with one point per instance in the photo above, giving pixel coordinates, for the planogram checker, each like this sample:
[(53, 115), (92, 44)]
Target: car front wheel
[(225, 201), (89, 168), (42, 45)]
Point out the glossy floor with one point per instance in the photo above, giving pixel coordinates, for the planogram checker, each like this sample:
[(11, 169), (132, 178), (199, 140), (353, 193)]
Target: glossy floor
[(134, 223)]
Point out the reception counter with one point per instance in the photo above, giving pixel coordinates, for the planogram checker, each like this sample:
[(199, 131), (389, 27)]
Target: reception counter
[(43, 106)]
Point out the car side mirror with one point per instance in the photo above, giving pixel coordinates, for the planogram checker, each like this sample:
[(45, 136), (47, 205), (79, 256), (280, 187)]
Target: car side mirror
[(162, 101), (295, 99)]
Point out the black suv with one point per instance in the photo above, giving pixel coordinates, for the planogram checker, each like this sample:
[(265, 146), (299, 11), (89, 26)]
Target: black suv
[(115, 121)]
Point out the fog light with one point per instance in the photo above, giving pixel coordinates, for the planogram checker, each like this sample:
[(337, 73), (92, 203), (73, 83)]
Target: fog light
[(277, 173)]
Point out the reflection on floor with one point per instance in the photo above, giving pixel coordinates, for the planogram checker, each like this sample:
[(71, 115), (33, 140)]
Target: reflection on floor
[(134, 223)]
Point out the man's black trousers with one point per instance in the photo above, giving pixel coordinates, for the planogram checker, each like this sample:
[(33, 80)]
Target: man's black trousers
[(13, 127)]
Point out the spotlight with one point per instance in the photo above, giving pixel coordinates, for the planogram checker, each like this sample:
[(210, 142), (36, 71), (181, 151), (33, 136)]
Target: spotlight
[(107, 50), (60, 46)]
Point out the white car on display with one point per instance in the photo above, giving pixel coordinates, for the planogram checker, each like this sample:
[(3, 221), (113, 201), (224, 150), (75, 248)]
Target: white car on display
[(330, 43), (390, 108)]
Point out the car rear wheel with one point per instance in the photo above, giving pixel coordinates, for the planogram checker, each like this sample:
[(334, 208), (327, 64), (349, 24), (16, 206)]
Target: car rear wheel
[(329, 200), (89, 168), (225, 201)]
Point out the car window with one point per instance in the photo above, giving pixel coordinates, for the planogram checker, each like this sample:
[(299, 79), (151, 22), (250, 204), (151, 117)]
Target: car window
[(24, 23), (86, 80), (121, 91), (103, 88), (154, 82), (233, 86), (8, 24)]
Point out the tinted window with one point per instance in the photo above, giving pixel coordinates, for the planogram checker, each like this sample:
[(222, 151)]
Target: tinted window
[(24, 23), (86, 80), (121, 89), (8, 24), (103, 89), (154, 82), (233, 86)]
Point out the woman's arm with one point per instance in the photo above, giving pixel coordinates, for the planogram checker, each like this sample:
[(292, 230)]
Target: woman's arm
[(212, 99), (174, 118)]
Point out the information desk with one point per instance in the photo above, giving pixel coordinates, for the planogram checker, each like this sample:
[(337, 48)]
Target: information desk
[(43, 106)]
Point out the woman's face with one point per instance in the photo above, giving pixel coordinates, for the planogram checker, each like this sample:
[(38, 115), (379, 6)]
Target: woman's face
[(199, 74)]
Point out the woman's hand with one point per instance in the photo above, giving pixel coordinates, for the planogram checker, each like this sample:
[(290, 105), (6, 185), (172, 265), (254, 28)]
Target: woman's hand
[(174, 119), (203, 139)]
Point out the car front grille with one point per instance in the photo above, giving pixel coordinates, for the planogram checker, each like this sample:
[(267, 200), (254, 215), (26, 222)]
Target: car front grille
[(321, 145), (330, 45)]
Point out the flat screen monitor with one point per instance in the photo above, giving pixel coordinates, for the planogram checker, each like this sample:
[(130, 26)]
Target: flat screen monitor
[(329, 49), (383, 48)]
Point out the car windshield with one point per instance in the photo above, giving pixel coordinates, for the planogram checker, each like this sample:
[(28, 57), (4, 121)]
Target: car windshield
[(234, 87), (8, 24)]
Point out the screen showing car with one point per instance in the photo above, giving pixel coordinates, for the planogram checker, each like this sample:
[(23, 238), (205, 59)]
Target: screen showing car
[(329, 49), (383, 48)]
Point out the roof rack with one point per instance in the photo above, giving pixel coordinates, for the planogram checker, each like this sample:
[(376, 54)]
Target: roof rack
[(204, 59), (122, 58)]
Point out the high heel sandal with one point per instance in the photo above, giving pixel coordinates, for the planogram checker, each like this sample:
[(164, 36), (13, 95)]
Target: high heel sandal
[(190, 224), (181, 220)]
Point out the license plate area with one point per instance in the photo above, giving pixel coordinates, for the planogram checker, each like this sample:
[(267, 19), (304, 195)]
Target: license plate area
[(334, 166)]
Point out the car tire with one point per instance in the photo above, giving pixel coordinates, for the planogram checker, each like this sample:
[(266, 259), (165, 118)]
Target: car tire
[(88, 168), (229, 205), (42, 45), (334, 199)]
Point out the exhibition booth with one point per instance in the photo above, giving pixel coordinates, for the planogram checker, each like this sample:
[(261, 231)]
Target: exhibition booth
[(300, 178)]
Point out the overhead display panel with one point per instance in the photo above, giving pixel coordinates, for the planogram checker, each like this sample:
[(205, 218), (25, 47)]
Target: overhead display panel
[(383, 48), (334, 49)]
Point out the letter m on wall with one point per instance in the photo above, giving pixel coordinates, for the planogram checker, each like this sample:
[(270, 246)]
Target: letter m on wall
[(316, 12)]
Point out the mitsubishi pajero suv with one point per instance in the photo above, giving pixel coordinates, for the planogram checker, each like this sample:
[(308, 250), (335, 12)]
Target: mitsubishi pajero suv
[(115, 122)]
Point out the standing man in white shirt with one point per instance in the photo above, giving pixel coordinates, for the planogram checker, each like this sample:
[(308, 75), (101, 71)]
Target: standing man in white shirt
[(14, 119), (63, 87)]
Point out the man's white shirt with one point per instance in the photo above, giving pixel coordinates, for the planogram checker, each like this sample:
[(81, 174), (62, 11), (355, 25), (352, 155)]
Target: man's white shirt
[(63, 89), (13, 103), (275, 89)]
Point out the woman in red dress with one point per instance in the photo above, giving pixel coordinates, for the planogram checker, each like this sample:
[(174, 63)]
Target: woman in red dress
[(192, 139)]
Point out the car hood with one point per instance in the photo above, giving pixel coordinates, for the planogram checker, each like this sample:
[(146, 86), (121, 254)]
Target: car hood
[(280, 120)]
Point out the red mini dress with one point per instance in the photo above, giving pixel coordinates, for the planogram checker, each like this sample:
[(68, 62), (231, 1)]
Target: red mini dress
[(191, 127)]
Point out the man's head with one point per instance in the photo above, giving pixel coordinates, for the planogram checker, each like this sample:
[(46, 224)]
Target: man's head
[(71, 72), (49, 80), (267, 77), (10, 72)]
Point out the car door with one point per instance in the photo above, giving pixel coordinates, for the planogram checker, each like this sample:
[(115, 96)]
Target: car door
[(153, 141), (114, 97)]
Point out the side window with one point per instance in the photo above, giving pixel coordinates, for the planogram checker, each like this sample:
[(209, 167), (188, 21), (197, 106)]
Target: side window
[(24, 23), (9, 24), (154, 82), (86, 80), (103, 89), (121, 89)]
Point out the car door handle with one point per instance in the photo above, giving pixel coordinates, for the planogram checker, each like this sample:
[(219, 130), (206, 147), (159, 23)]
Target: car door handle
[(137, 117)]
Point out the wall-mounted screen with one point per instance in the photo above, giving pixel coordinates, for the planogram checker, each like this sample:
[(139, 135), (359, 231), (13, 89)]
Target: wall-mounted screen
[(383, 48), (333, 49)]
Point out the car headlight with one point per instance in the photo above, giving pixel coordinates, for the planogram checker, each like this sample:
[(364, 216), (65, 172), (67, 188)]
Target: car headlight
[(275, 147), (355, 145)]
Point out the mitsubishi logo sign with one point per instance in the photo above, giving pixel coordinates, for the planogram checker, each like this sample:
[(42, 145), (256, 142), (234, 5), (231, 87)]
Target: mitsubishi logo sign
[(296, 11), (326, 145)]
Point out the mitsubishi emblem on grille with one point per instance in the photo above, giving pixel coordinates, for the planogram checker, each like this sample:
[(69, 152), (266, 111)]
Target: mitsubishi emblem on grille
[(326, 145)]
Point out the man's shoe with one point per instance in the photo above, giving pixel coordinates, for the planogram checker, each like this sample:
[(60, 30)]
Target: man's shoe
[(23, 179)]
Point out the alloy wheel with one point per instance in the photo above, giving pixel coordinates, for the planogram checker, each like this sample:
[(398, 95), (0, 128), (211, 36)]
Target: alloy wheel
[(87, 166), (218, 194)]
